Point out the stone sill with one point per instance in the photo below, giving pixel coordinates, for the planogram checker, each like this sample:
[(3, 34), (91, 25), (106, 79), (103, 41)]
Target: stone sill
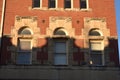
[(96, 37), (61, 9)]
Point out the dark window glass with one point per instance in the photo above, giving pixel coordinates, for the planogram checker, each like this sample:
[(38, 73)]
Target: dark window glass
[(52, 3), (24, 52), (60, 57), (23, 58), (59, 32), (24, 31), (67, 3), (96, 53), (94, 33), (83, 4), (96, 57), (36, 3)]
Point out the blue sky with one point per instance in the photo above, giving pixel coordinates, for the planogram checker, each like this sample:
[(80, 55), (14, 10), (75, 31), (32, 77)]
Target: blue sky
[(117, 5)]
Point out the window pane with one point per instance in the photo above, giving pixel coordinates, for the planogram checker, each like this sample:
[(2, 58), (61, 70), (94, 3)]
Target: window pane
[(59, 32), (96, 59), (26, 32), (67, 3), (60, 59), (24, 58), (36, 3), (51, 3), (94, 33), (25, 45), (96, 46), (83, 4), (60, 47)]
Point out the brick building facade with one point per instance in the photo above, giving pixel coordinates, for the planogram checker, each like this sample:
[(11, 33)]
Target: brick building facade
[(58, 40)]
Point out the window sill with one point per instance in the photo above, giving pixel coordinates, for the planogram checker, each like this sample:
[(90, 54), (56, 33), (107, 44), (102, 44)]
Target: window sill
[(96, 37), (88, 9), (38, 8), (60, 36), (25, 36), (61, 9)]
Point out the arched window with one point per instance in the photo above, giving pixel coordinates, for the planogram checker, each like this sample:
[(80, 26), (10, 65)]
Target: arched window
[(59, 32), (24, 47), (24, 31), (96, 47), (94, 32), (60, 47), (96, 52)]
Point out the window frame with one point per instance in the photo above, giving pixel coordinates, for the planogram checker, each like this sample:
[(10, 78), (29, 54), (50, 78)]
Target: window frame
[(23, 52), (56, 1), (20, 40), (38, 6), (71, 4), (96, 42), (92, 52), (87, 5), (18, 61), (100, 55), (66, 54)]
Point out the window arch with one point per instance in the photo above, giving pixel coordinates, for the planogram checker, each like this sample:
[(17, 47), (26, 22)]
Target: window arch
[(24, 31), (60, 31), (95, 32)]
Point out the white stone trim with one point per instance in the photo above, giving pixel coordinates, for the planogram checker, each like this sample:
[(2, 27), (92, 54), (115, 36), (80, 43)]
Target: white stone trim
[(72, 4), (61, 9), (60, 22)]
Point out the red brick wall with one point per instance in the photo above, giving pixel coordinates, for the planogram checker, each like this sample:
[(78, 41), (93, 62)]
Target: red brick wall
[(99, 8), (18, 7)]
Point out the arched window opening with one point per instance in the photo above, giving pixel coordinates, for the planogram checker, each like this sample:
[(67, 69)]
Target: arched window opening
[(59, 32), (24, 46), (24, 31), (94, 33)]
